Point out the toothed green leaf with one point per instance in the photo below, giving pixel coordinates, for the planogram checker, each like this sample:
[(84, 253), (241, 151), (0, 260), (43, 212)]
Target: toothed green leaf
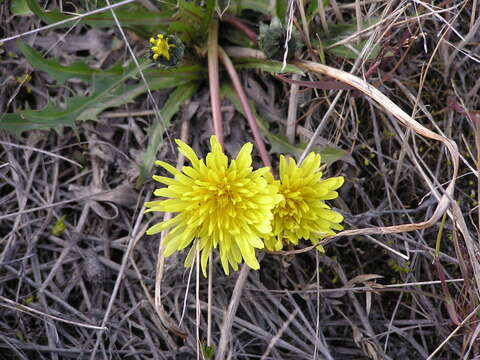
[(62, 73), (106, 93)]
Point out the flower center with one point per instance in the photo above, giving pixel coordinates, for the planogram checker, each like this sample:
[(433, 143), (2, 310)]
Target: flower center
[(225, 195), (293, 207)]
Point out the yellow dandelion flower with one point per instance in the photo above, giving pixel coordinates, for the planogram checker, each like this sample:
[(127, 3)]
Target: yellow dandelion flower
[(222, 204), (160, 47), (303, 214)]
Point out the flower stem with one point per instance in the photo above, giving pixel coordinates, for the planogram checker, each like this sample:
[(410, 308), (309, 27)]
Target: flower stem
[(197, 298), (209, 303), (240, 26), (252, 122), (213, 79)]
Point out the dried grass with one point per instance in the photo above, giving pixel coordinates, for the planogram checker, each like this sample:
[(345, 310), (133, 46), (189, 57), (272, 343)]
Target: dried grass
[(411, 130)]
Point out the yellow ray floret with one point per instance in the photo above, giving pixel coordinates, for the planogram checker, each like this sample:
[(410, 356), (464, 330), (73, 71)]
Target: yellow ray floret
[(225, 205), (303, 213), (160, 47)]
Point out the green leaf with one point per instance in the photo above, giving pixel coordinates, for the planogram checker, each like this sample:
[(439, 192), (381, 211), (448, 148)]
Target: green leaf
[(208, 352), (279, 143), (312, 9), (133, 16), (331, 154), (18, 123), (20, 8), (78, 107), (341, 31), (189, 22), (347, 52), (192, 72), (236, 37), (181, 94), (128, 15), (59, 226), (63, 73), (208, 15), (107, 93), (271, 66), (82, 71), (48, 17), (29, 299), (126, 94), (281, 10), (261, 6)]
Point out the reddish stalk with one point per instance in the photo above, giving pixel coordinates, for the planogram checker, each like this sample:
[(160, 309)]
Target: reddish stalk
[(214, 80), (252, 35), (252, 122)]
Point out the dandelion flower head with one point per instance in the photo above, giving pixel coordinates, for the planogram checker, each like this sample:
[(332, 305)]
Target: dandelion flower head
[(160, 47), (225, 205), (303, 213)]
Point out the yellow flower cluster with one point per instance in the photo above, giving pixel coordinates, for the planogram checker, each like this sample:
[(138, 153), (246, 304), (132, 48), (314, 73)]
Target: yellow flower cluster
[(160, 47), (230, 206), (302, 213)]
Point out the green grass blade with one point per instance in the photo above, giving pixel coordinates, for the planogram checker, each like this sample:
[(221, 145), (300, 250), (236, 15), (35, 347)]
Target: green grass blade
[(20, 8), (181, 94), (270, 66), (262, 6)]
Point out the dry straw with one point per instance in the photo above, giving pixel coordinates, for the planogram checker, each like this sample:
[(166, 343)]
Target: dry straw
[(445, 197)]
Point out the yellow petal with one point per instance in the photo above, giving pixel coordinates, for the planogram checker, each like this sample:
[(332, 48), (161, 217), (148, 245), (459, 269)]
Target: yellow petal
[(224, 262), (163, 180), (155, 229), (188, 152), (204, 260), (248, 254), (172, 205), (171, 244), (333, 183), (256, 242), (244, 157), (190, 256), (172, 170), (215, 145)]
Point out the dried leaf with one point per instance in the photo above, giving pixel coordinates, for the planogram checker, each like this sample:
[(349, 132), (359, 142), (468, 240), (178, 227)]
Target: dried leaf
[(361, 279), (123, 195)]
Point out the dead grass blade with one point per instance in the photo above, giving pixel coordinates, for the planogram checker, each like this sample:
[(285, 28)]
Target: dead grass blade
[(445, 199)]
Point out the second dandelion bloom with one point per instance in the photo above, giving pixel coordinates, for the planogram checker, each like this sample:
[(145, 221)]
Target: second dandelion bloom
[(166, 50), (303, 213), (222, 204)]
